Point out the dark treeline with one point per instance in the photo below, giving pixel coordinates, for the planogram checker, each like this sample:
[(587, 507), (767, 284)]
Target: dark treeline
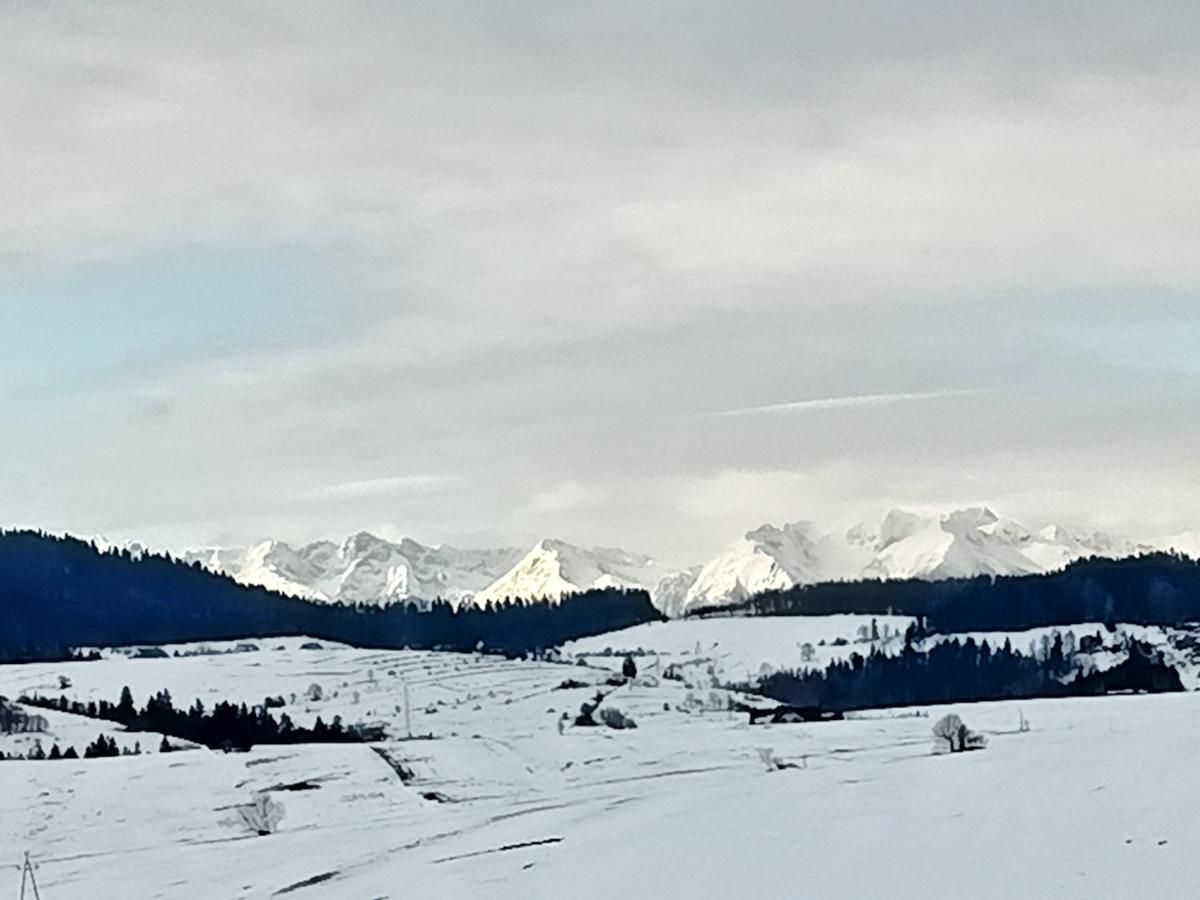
[(57, 593), (1153, 589), (227, 726), (956, 672), (101, 747)]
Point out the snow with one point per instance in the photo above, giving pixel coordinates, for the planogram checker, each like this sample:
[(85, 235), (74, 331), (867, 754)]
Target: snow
[(370, 570), (959, 543), (1094, 800), (715, 651), (364, 568), (767, 558), (77, 731), (553, 569), (361, 569)]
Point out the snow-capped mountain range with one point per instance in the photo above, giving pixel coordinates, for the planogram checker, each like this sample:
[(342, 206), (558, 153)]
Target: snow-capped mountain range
[(363, 569), (964, 542), (368, 569)]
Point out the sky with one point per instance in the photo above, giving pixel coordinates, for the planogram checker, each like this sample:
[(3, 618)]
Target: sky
[(643, 275)]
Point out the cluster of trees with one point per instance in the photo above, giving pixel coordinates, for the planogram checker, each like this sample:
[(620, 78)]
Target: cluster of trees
[(60, 592), (955, 671), (14, 720), (227, 726), (101, 747), (1149, 589)]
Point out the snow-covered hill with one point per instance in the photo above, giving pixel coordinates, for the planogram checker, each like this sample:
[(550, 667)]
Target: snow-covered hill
[(1093, 799), (973, 541), (555, 568), (362, 569)]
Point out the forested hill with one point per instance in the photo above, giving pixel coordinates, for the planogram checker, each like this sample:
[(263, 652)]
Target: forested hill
[(1152, 589), (59, 593)]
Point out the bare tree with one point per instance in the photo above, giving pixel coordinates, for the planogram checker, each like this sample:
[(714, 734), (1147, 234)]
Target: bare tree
[(953, 735), (261, 815)]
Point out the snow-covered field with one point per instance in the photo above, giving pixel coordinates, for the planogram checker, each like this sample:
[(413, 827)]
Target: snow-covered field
[(1095, 799), (734, 650)]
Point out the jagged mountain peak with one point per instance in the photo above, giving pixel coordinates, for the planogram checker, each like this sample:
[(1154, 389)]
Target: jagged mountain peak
[(902, 544), (362, 568), (554, 568)]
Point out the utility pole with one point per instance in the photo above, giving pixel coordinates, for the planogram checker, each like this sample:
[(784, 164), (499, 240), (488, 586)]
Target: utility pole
[(27, 877)]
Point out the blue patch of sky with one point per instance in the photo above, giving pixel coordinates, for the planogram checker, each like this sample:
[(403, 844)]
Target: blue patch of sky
[(1156, 335), (113, 318)]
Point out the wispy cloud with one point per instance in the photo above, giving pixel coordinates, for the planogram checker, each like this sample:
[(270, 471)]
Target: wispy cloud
[(379, 486), (847, 402), (563, 498)]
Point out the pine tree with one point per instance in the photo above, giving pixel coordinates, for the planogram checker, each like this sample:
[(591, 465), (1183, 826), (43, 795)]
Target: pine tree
[(126, 711)]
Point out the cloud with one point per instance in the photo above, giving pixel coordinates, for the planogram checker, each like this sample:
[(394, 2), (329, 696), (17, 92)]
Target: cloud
[(739, 499), (569, 496), (540, 241), (398, 484)]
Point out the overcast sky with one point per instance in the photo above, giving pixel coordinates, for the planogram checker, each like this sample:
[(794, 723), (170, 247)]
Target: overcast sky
[(624, 273)]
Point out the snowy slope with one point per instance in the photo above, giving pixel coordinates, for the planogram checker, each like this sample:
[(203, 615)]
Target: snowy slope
[(963, 543), (769, 558), (362, 569), (555, 568), (1095, 800), (709, 653)]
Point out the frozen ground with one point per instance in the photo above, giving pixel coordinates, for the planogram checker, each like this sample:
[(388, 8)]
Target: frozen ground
[(1095, 799)]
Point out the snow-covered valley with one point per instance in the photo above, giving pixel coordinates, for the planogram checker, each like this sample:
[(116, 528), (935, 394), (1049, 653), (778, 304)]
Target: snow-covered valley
[(490, 799)]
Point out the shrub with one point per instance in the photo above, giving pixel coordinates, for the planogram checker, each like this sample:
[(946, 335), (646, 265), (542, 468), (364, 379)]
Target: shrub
[(571, 684), (614, 718), (586, 719)]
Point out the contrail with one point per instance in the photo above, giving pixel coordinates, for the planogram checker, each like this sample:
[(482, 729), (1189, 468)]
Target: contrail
[(849, 402)]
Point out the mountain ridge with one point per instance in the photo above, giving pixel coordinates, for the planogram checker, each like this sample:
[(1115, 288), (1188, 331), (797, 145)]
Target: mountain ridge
[(367, 569)]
